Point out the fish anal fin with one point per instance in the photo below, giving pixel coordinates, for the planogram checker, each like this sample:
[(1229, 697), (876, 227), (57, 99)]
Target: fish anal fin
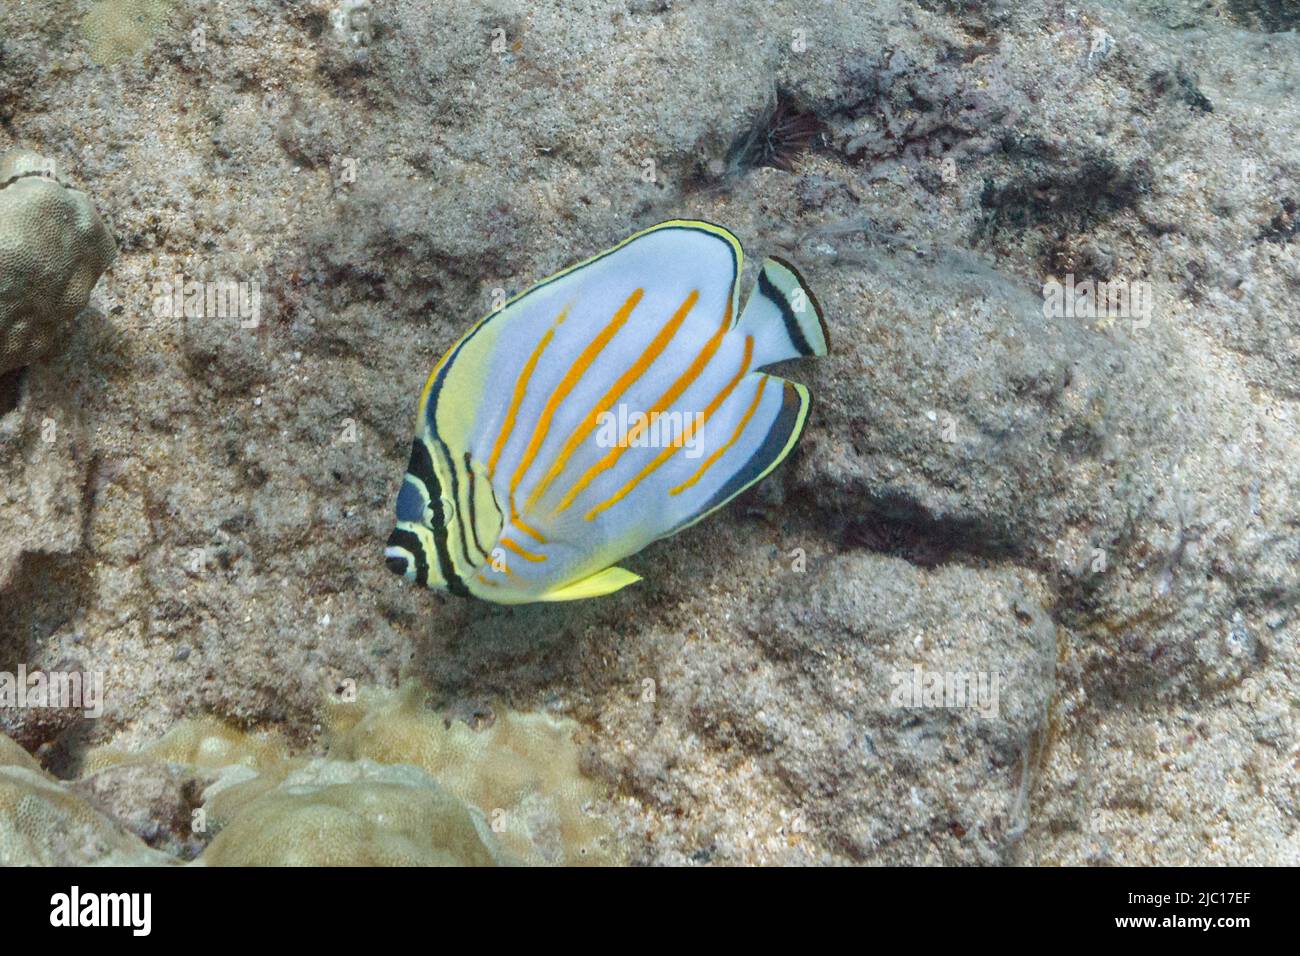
[(777, 443), (597, 585)]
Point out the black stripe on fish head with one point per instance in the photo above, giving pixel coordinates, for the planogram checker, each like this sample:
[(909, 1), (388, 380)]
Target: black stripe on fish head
[(423, 468), (405, 556)]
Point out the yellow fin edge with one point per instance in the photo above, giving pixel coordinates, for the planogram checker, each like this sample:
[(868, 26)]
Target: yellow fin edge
[(599, 584)]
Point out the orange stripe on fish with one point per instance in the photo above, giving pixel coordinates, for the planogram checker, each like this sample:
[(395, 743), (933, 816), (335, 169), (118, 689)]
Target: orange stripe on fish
[(535, 535), (667, 398), (576, 371), (517, 398), (652, 352), (687, 433), (735, 437), (527, 555)]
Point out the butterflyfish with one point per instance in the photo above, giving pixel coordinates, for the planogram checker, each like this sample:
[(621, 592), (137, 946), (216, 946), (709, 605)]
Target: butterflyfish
[(611, 405)]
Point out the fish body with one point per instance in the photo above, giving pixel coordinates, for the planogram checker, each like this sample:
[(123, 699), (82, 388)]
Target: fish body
[(613, 404)]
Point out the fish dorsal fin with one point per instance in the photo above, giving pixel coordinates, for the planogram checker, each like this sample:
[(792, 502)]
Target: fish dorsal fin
[(783, 316), (601, 583)]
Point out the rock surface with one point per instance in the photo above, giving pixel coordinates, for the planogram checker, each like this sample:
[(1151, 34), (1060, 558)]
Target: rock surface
[(1099, 512)]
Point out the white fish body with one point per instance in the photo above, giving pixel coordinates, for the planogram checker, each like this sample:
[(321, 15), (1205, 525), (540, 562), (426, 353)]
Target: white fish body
[(610, 405)]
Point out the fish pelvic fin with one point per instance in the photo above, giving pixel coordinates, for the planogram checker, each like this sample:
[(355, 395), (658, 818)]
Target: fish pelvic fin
[(597, 585)]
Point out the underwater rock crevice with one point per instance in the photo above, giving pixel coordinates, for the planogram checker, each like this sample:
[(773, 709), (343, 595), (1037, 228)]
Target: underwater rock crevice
[(900, 529), (11, 389)]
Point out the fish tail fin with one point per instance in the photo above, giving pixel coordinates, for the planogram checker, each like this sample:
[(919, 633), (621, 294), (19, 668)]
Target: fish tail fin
[(783, 316)]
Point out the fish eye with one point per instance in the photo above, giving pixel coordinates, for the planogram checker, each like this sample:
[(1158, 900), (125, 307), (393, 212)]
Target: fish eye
[(395, 564), (448, 512)]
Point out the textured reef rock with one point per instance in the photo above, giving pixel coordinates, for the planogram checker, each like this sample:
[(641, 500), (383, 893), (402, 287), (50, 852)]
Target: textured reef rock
[(1099, 511)]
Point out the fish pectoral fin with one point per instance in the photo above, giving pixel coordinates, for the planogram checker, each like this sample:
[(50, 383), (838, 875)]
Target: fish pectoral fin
[(597, 585)]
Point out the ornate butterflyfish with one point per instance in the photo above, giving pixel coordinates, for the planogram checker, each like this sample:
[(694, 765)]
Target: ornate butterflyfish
[(612, 404)]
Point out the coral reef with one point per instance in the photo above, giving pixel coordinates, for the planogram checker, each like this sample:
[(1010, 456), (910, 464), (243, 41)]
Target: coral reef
[(331, 813), (397, 786), (118, 29), (522, 770), (43, 824), (53, 249), (201, 743)]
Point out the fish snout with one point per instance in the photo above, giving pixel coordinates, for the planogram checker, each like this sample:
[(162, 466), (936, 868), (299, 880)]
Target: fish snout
[(398, 558)]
